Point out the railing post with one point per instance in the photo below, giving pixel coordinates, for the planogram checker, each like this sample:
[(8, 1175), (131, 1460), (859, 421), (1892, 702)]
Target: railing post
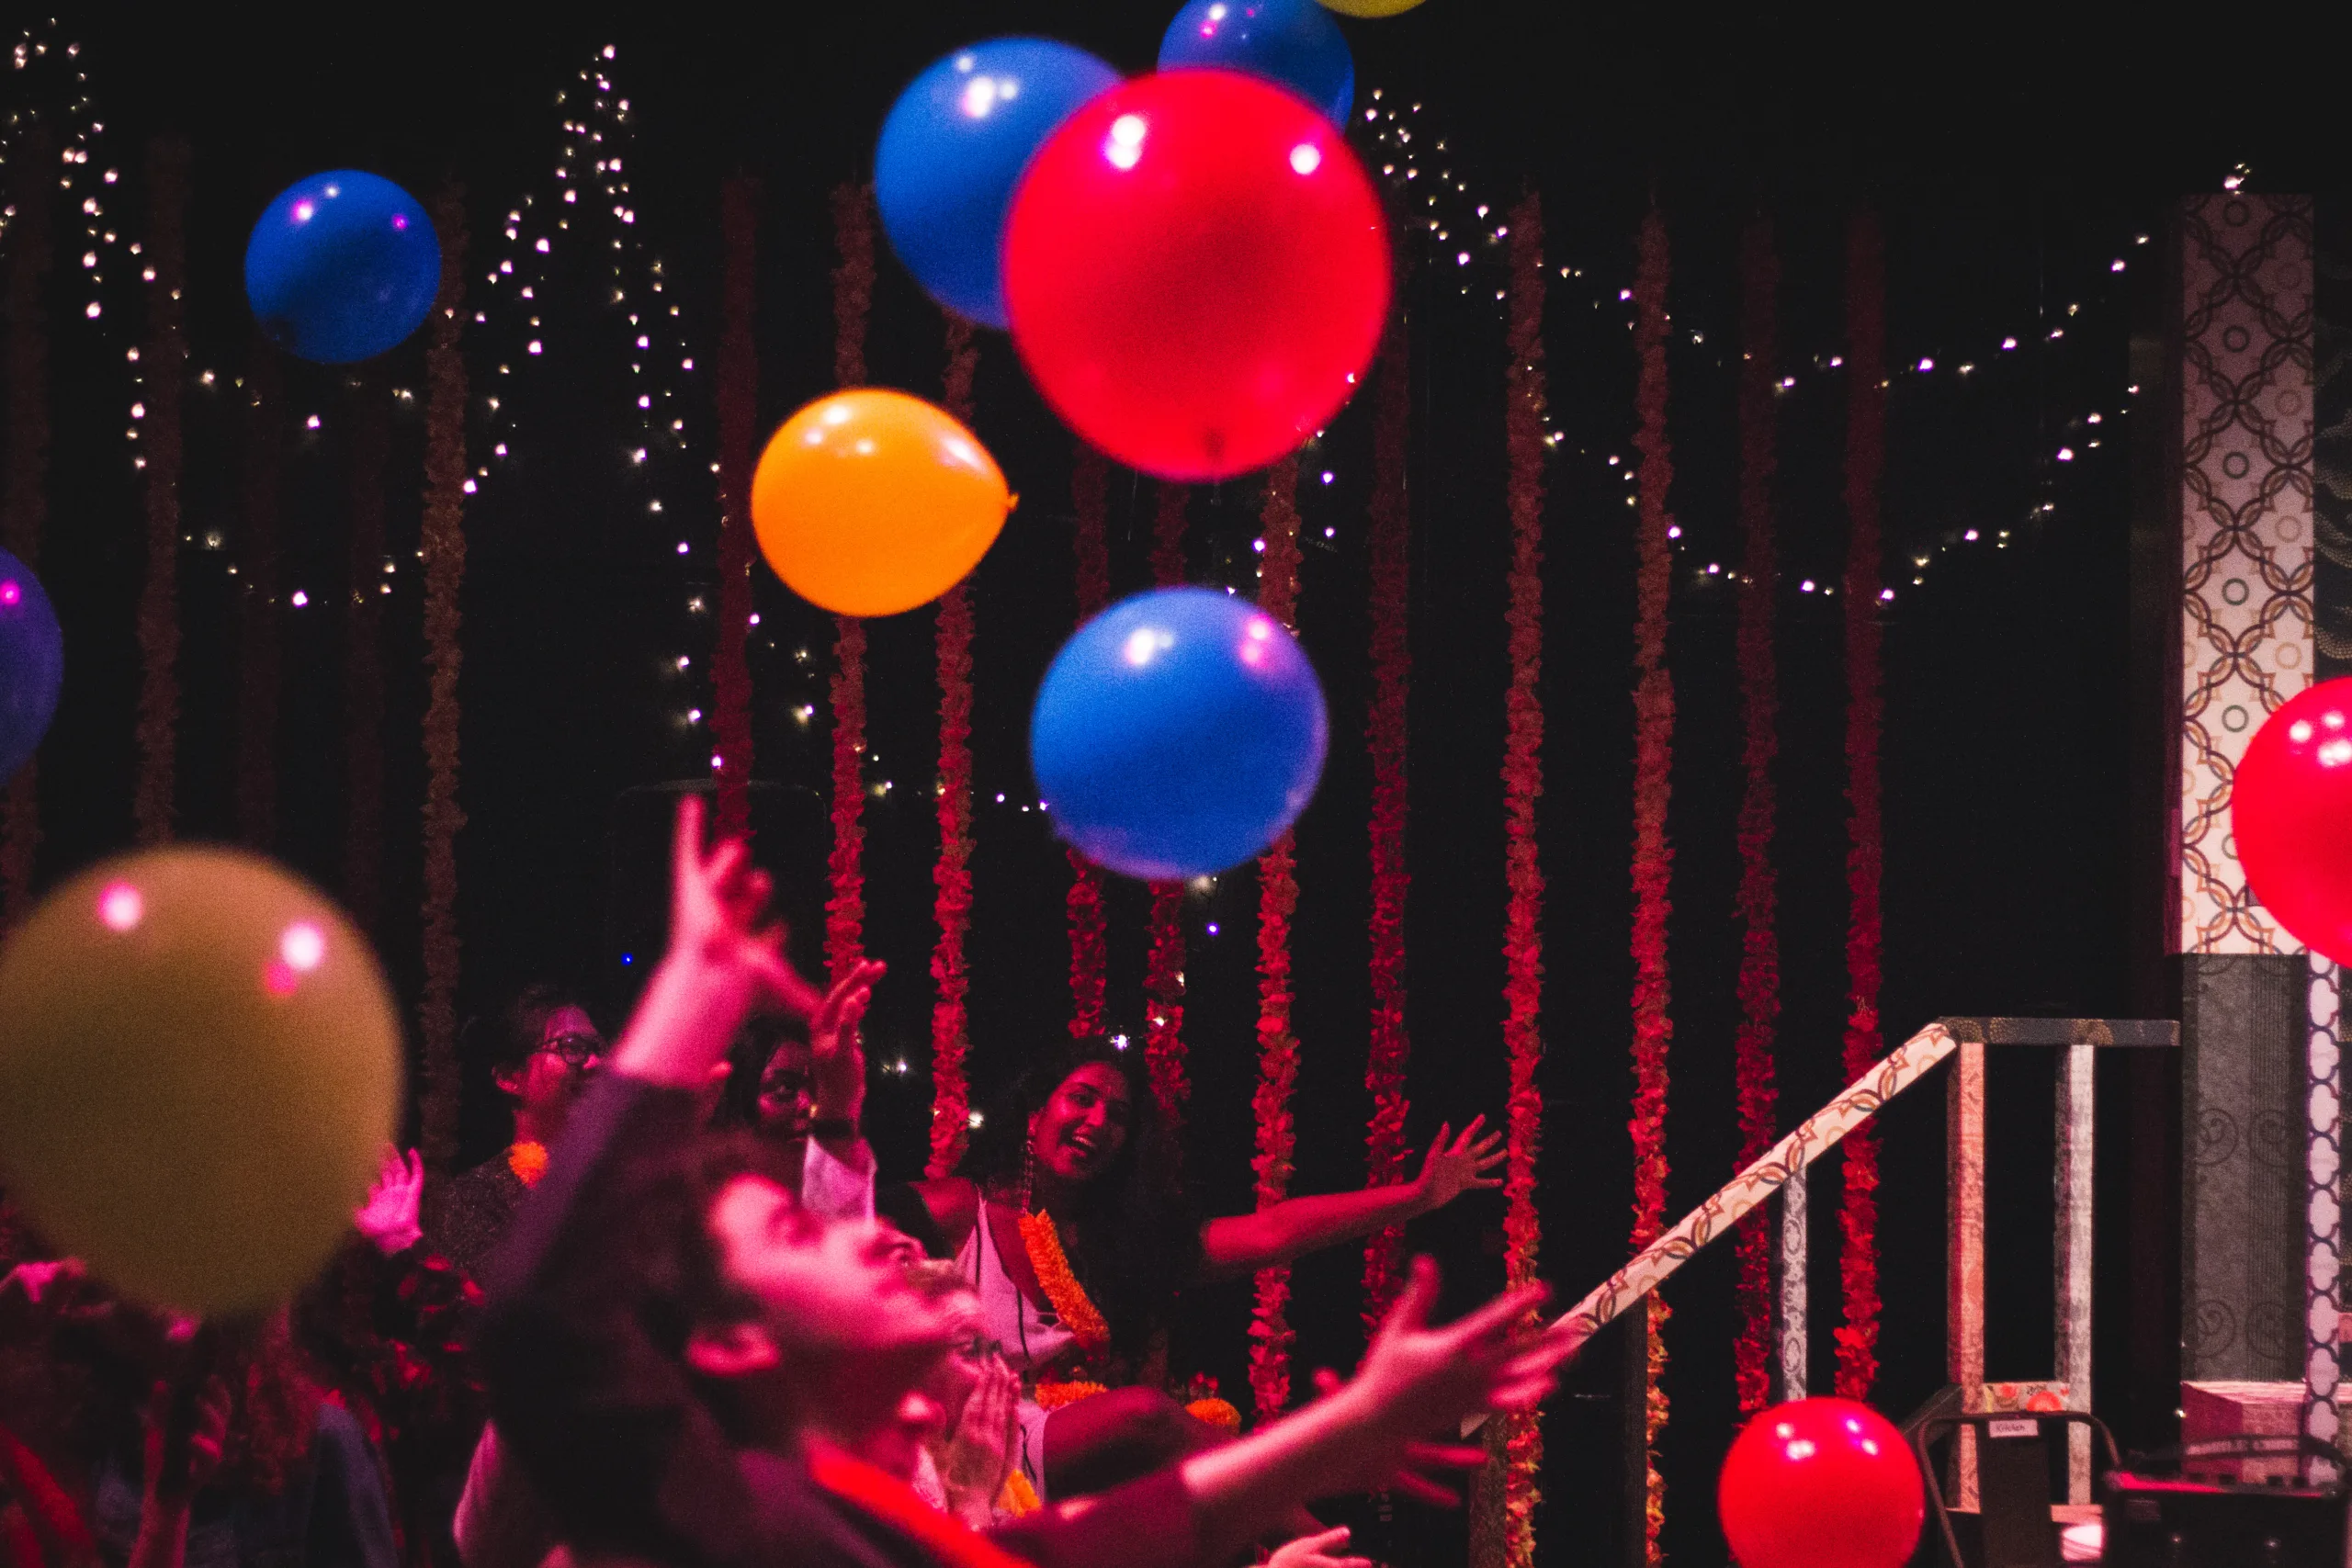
[(2072, 1181), (1964, 1268), (1791, 1313), (2323, 1210)]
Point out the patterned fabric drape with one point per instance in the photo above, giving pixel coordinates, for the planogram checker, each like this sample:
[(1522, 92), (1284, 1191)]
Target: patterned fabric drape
[(154, 804), (739, 413), (1090, 485), (1865, 460), (853, 304), (1653, 783), (443, 540), (1522, 775), (1269, 1330), (1758, 897), (24, 496), (1163, 981), (952, 908), (257, 609), (1392, 667)]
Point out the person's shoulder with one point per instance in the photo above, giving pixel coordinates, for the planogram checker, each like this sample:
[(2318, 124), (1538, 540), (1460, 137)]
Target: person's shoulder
[(954, 1204)]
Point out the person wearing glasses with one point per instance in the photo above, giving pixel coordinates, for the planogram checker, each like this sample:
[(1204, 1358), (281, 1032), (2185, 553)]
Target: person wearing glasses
[(545, 1049)]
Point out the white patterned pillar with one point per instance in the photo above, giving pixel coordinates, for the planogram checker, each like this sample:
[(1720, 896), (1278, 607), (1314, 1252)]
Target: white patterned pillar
[(1792, 1326), (2323, 1210)]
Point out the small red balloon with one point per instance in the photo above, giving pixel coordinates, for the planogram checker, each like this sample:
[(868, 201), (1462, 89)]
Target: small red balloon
[(1197, 273), (1821, 1483), (2291, 813)]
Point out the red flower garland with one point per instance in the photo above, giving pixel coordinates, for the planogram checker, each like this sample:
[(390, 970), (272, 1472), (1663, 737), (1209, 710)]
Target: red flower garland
[(1269, 1330), (258, 673), (950, 1032), (24, 506), (738, 373), (442, 539), (1384, 1148), (1653, 784), (1163, 981), (154, 801), (1523, 776), (1758, 900), (1090, 485), (1865, 460), (845, 906)]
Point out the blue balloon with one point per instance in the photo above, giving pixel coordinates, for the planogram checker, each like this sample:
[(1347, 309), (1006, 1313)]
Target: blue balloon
[(1177, 734), (953, 151), (1292, 43), (32, 664), (342, 266)]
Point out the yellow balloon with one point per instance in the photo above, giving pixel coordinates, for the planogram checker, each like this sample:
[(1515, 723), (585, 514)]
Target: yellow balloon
[(200, 1069), (1371, 7), (868, 503)]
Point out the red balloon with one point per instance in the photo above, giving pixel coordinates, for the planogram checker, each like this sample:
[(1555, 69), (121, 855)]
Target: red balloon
[(1197, 273), (1821, 1483), (2290, 812)]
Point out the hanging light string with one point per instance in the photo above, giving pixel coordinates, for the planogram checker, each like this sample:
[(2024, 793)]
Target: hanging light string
[(590, 202), (1465, 237)]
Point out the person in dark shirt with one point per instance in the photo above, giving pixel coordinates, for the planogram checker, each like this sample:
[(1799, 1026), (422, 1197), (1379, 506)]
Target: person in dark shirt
[(546, 1049), (683, 1357)]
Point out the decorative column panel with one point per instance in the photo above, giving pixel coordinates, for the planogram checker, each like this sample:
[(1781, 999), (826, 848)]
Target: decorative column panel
[(2071, 1183), (2323, 1210), (1790, 1321), (2247, 534)]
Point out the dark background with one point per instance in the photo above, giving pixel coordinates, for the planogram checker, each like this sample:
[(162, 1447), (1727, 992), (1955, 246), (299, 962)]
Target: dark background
[(2011, 162)]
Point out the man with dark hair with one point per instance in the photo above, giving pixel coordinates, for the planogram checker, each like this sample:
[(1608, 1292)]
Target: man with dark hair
[(687, 1360), (544, 1048)]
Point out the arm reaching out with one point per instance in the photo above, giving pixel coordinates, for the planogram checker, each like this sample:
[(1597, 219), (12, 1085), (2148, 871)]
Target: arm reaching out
[(1280, 1231)]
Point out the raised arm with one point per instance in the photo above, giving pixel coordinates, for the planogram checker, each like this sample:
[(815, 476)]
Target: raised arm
[(1280, 1231)]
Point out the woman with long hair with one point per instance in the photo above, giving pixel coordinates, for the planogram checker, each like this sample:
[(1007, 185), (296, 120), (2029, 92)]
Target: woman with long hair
[(1069, 1216)]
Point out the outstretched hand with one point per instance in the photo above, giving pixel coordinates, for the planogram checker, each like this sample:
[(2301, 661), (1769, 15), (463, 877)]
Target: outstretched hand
[(836, 1064), (718, 916), (1459, 1165), (182, 1455), (388, 1217), (1316, 1551)]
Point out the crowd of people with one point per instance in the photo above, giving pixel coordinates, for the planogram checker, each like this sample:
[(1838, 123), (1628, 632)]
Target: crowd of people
[(678, 1320)]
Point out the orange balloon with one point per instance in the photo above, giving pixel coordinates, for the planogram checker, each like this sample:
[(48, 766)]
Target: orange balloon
[(200, 1069), (868, 503)]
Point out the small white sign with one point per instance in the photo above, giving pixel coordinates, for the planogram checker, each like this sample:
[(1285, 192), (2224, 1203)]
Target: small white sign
[(2020, 1426)]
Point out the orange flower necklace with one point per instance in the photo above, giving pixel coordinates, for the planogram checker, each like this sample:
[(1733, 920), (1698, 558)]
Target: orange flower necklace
[(1071, 1304), (528, 1162)]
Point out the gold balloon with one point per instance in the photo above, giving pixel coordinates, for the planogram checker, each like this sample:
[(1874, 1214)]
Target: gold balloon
[(200, 1067), (1371, 7)]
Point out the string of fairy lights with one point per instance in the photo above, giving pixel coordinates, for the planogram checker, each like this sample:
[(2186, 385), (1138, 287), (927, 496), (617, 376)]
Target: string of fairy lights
[(590, 202), (1460, 230)]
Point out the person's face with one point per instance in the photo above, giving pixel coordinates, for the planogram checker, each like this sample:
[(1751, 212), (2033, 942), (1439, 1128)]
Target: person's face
[(954, 1376), (569, 1052), (787, 1092), (1078, 1131), (823, 1286)]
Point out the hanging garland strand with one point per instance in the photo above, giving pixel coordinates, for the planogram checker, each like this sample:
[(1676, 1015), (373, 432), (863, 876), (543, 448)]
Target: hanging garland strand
[(1269, 1330), (24, 502), (257, 650), (1653, 856), (852, 303), (1759, 899), (443, 542), (950, 1029), (363, 659), (739, 384), (1384, 1148), (154, 802), (1089, 488), (1522, 787), (1163, 980), (1865, 459)]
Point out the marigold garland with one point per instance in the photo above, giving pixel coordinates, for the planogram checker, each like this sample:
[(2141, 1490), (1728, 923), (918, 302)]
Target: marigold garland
[(845, 906), (24, 502), (1758, 897), (528, 1161), (739, 372), (257, 642), (1089, 484), (1522, 778), (1653, 784), (443, 540), (1052, 1393), (1269, 1330), (1163, 982), (1385, 1146), (363, 659), (1865, 460), (163, 367), (951, 909), (1075, 1309)]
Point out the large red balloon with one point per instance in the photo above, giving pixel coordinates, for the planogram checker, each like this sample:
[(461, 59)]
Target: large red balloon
[(1821, 1483), (1197, 273), (2290, 811)]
